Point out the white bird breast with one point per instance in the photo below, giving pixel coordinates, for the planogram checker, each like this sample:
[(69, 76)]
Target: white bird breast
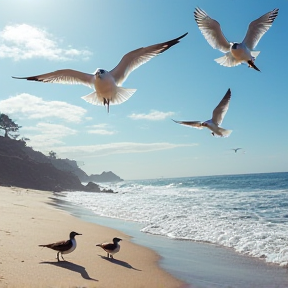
[(242, 53), (105, 86), (74, 244)]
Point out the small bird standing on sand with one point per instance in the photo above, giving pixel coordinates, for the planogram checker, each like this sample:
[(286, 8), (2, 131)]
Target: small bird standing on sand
[(65, 246), (235, 53), (111, 248), (107, 84), (217, 118)]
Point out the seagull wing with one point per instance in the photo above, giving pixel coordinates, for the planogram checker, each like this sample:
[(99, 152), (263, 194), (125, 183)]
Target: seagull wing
[(258, 28), (211, 30), (65, 76), (220, 111), (136, 58), (59, 246), (194, 124), (108, 246)]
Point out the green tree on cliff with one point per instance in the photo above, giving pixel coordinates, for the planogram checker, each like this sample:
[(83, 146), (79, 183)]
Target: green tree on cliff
[(9, 126), (52, 154)]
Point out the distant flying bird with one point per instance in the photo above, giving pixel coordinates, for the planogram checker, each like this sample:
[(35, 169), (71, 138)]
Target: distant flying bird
[(111, 248), (236, 149), (235, 53), (217, 118), (64, 247), (107, 84)]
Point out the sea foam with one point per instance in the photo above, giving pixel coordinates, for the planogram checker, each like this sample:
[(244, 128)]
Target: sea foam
[(245, 213)]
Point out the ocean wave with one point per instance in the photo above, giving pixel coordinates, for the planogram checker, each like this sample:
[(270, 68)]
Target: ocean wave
[(251, 219)]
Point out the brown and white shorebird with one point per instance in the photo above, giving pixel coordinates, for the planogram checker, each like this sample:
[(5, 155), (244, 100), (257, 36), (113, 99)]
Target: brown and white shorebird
[(111, 248), (107, 84), (235, 53), (65, 246), (217, 118)]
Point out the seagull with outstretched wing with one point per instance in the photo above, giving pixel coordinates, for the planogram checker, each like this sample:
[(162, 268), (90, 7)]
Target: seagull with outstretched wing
[(107, 84), (236, 149), (217, 118), (235, 53)]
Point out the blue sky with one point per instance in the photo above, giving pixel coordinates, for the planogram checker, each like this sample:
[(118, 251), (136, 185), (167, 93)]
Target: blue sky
[(137, 139)]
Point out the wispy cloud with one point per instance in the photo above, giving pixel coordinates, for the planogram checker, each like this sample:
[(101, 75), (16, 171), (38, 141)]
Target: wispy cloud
[(32, 107), (45, 136), (116, 148), (154, 115), (101, 132), (101, 129), (22, 41)]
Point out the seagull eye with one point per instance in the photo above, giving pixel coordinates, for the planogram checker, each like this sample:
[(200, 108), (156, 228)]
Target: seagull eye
[(102, 71)]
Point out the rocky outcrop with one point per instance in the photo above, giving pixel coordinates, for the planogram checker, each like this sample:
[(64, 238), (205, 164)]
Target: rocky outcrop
[(92, 187), (103, 177)]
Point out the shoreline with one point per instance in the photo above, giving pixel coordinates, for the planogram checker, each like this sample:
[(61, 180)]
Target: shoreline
[(29, 218), (199, 264)]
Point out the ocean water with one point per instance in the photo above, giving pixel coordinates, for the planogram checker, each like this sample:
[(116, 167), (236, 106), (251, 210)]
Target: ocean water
[(248, 213)]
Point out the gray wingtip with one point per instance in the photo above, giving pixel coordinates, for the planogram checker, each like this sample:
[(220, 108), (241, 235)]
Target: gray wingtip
[(19, 77), (183, 35)]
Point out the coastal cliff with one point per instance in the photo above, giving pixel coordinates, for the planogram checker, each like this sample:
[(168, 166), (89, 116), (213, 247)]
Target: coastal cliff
[(21, 166)]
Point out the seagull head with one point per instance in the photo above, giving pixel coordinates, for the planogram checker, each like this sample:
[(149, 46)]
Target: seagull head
[(116, 240), (100, 72), (235, 45), (73, 234)]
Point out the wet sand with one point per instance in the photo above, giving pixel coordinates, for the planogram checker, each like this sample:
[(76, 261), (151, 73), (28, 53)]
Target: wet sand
[(27, 221), (202, 265)]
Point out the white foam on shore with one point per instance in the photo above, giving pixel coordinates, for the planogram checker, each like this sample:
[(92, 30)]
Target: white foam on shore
[(251, 222)]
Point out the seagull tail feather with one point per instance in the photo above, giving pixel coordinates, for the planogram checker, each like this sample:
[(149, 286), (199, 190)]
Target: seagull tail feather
[(227, 60), (225, 132), (255, 54), (122, 95), (93, 98)]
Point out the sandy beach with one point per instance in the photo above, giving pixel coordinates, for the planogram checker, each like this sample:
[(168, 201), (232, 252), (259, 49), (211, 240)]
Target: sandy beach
[(202, 265), (27, 221)]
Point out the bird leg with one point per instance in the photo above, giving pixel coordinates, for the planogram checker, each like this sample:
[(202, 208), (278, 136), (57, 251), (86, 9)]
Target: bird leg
[(58, 256), (62, 257), (107, 101)]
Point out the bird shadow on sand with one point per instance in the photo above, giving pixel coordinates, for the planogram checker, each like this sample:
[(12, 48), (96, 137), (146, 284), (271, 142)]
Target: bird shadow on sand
[(119, 262), (71, 266)]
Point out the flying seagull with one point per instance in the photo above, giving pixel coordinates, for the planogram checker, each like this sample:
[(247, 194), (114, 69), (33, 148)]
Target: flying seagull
[(107, 84), (64, 247), (217, 118), (235, 53), (236, 149), (111, 248)]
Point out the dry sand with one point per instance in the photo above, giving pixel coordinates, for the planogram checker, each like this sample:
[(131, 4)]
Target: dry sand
[(26, 220)]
